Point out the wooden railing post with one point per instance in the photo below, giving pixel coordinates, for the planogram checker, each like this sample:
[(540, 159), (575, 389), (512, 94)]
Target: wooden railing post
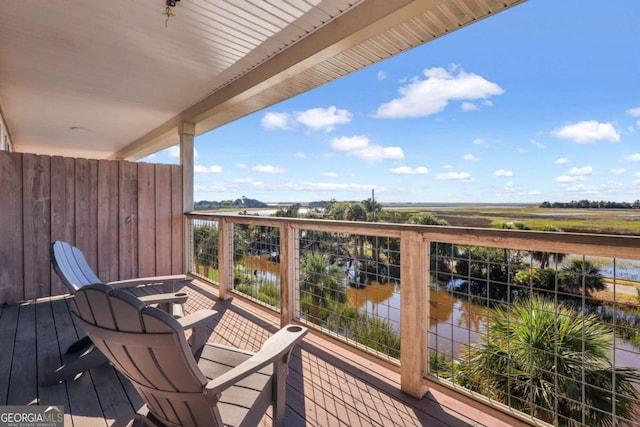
[(187, 132), (225, 257), (288, 279), (413, 313)]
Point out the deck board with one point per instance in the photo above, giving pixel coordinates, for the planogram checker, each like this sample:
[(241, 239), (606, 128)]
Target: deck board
[(8, 329), (81, 394), (23, 382), (49, 355), (326, 386)]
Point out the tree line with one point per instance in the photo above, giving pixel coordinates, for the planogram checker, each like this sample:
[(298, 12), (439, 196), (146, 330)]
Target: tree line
[(592, 204), (243, 202)]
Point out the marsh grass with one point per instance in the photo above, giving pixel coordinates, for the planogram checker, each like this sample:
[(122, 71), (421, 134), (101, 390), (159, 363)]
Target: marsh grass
[(611, 221)]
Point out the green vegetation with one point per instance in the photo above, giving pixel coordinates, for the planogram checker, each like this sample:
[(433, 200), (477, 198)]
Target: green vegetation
[(579, 277), (323, 283), (240, 203), (597, 221), (323, 301), (538, 356), (592, 204), (266, 292)]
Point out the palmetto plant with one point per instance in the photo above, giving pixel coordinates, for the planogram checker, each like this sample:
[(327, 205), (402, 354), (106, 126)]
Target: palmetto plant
[(547, 360), (323, 282), (582, 277)]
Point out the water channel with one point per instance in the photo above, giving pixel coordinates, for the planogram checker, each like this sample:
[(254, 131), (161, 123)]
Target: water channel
[(452, 322)]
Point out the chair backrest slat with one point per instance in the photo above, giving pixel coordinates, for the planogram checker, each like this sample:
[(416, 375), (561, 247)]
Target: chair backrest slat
[(148, 346), (71, 266)]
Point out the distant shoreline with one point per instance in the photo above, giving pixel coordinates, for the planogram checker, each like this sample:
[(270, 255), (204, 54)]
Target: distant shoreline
[(428, 204)]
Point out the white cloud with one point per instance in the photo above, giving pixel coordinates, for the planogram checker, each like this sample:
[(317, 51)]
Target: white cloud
[(620, 171), (376, 153), (583, 190), (406, 170), (587, 132), (456, 176), (174, 152), (248, 183), (204, 169), (300, 155), (469, 106), (567, 178), (272, 121), (635, 112), (241, 166), (601, 190), (503, 172), (479, 141), (633, 157), (536, 143), (216, 187), (447, 167), (353, 143), (360, 146), (562, 161), (331, 175), (382, 75), (242, 180), (268, 169), (587, 170), (422, 98), (330, 186), (534, 192), (488, 102), (470, 157), (323, 118)]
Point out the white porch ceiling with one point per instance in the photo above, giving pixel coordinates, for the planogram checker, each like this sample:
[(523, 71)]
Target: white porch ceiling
[(113, 67)]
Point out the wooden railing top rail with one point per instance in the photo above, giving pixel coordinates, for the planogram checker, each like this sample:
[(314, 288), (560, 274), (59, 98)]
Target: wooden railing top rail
[(603, 245)]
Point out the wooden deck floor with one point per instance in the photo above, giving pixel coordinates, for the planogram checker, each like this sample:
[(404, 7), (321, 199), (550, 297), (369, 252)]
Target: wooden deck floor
[(327, 385)]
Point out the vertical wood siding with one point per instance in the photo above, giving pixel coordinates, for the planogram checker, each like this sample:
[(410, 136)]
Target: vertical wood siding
[(126, 217)]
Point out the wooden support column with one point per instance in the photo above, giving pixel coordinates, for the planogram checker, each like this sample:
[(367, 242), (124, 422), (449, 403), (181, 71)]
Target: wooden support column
[(413, 313), (187, 133), (225, 257), (288, 277)]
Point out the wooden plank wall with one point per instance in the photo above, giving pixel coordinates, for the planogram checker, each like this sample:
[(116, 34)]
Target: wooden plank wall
[(126, 217)]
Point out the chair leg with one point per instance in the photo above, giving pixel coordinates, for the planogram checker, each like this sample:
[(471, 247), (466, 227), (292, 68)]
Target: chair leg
[(79, 345), (280, 370), (144, 418), (92, 358)]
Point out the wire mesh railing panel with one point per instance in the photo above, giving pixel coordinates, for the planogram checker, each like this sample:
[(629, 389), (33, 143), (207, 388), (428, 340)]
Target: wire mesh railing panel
[(349, 286), (256, 263), (555, 336), (204, 257)]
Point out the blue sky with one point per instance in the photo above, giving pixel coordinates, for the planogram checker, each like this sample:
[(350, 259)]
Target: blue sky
[(540, 102)]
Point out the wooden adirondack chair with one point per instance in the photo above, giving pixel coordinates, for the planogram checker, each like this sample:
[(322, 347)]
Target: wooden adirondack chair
[(74, 271), (210, 385)]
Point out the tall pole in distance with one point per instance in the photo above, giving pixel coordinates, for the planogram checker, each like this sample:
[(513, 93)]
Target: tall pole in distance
[(373, 205)]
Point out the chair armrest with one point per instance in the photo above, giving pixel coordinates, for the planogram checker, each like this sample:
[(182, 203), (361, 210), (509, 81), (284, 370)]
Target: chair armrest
[(197, 322), (276, 348), (167, 281), (175, 298)]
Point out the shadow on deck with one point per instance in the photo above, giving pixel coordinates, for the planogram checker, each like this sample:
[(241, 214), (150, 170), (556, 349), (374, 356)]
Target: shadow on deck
[(327, 385)]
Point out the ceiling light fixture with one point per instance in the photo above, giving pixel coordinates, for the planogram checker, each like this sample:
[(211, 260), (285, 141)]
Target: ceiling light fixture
[(168, 12)]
